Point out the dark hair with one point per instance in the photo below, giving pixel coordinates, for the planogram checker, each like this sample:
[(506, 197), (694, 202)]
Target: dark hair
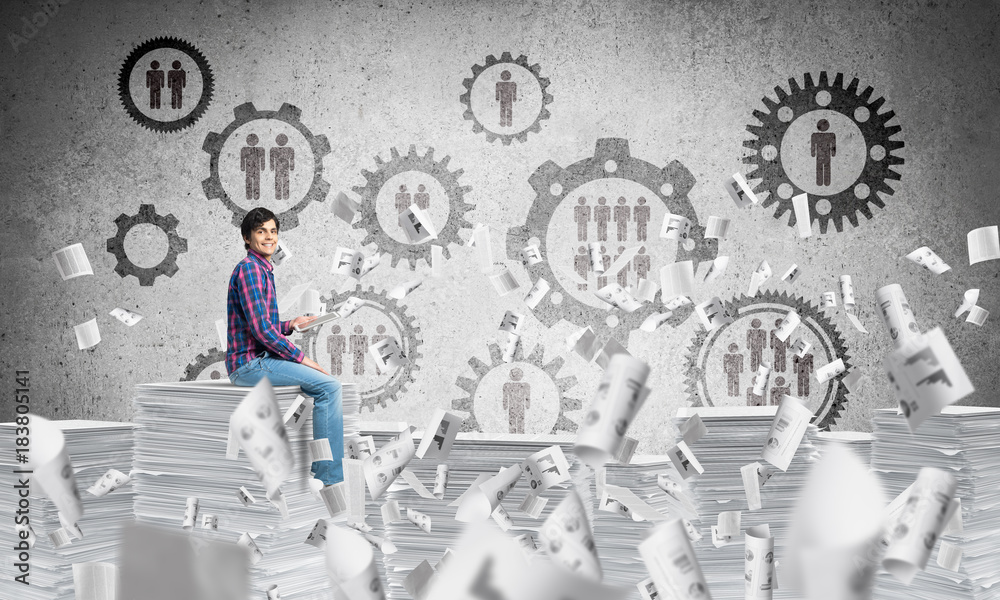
[(254, 219)]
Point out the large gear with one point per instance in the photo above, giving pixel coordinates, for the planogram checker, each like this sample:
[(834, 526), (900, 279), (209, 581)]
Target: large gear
[(202, 362), (579, 173), (167, 224), (396, 312), (563, 423), (290, 115), (466, 98), (125, 94), (812, 318), (874, 128), (457, 206)]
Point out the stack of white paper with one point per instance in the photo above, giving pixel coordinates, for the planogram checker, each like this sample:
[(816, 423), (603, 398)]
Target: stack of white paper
[(859, 442)]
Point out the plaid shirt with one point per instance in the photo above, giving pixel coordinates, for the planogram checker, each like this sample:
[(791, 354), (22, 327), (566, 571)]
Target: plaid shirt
[(252, 308)]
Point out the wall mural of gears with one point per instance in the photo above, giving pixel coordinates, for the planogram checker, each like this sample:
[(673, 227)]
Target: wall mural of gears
[(618, 201), (341, 346), (165, 71), (829, 142), (722, 363), (146, 216), (210, 365), (523, 396), (406, 180), (506, 98), (266, 158)]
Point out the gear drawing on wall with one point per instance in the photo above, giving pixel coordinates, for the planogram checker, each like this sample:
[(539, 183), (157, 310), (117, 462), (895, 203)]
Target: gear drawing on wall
[(167, 224), (550, 369), (506, 97), (708, 366), (212, 362), (290, 115), (408, 341), (131, 62), (553, 184), (855, 113), (448, 180)]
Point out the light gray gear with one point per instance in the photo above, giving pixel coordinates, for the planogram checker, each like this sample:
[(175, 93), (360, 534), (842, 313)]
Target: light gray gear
[(466, 98), (202, 362), (572, 177), (291, 115), (813, 319), (551, 368), (397, 164), (409, 341), (175, 245)]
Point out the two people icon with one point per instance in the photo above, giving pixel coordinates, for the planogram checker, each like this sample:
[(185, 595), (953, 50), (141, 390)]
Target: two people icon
[(175, 79), (281, 161)]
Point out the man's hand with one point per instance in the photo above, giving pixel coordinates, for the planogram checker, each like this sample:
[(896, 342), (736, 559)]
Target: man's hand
[(310, 362), (297, 321)]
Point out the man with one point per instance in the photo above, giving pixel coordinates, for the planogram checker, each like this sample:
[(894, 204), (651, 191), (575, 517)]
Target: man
[(258, 348)]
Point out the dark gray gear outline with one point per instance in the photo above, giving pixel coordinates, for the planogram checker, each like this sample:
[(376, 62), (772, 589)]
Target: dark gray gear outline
[(813, 318), (457, 207), (466, 98), (551, 368), (875, 130), (175, 245), (202, 362), (572, 177), (291, 115), (396, 312)]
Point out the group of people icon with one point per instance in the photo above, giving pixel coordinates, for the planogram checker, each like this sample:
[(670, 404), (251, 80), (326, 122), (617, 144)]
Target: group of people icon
[(757, 340), (601, 215), (641, 262), (281, 161), (404, 198), (175, 79), (337, 344)]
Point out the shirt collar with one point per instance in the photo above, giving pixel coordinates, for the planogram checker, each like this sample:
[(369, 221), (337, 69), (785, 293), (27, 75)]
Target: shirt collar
[(263, 261)]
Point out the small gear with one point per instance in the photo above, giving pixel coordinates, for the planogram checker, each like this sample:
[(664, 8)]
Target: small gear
[(563, 423), (203, 362), (397, 164), (874, 129), (466, 98), (812, 318), (655, 179), (167, 224), (290, 115), (396, 312), (207, 84)]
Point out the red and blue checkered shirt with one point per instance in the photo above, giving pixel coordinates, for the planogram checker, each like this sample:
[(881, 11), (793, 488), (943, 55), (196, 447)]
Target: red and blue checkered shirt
[(252, 308)]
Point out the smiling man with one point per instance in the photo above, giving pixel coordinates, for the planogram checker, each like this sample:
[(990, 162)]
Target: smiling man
[(258, 346)]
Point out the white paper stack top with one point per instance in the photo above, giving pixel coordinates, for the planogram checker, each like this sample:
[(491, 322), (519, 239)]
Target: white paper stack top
[(180, 452), (964, 441), (94, 447), (859, 442)]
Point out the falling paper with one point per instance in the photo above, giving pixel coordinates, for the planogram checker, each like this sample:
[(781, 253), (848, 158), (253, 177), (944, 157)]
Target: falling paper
[(618, 297), (977, 315), (677, 279), (530, 256), (792, 273), (675, 227), (717, 268), (831, 370), (482, 499), (984, 244), (382, 468), (440, 434), (437, 260), (402, 290), (262, 435), (926, 257), (352, 263), (345, 208), (87, 334), (787, 429), (896, 314), (503, 282), (281, 254), (671, 561), (484, 248), (387, 354), (762, 274), (536, 293), (969, 300), (109, 482), (350, 562), (847, 291), (740, 191), (126, 316), (620, 395), (416, 224), (654, 321), (716, 228), (568, 540), (922, 519), (788, 324), (546, 468), (72, 262), (52, 469), (803, 222), (712, 313)]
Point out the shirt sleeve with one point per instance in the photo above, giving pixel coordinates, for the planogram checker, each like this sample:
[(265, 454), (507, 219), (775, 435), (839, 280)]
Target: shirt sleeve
[(251, 288)]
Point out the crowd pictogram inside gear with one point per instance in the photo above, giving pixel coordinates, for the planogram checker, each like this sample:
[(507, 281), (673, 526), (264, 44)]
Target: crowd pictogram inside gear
[(447, 232), (515, 395), (171, 81), (175, 245), (722, 363), (832, 107), (210, 365), (502, 95), (290, 115)]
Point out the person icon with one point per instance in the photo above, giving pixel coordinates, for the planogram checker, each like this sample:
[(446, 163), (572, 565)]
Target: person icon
[(581, 264), (779, 390), (622, 212), (602, 279), (581, 214), (336, 345), (403, 199), (624, 271), (756, 341), (422, 199), (642, 263), (732, 365), (823, 147), (641, 214), (780, 348), (602, 214), (176, 81), (516, 400), (506, 96), (155, 82), (378, 337), (252, 162), (359, 347), (752, 398), (802, 367), (282, 161)]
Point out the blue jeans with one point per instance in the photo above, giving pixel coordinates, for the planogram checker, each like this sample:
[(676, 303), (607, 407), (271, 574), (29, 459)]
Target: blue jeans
[(327, 415)]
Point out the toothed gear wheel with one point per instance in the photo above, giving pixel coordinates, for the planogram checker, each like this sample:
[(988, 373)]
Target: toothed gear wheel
[(466, 98), (203, 362), (563, 423), (572, 177), (457, 208), (244, 113), (167, 224), (409, 342), (875, 130), (813, 319), (207, 84)]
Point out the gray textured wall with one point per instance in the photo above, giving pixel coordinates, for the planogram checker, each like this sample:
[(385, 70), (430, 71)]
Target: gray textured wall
[(678, 80)]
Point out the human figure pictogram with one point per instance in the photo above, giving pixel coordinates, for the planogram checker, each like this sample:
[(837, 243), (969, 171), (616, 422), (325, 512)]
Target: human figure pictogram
[(802, 367), (516, 400), (359, 347), (378, 337), (252, 162), (581, 214), (823, 147), (752, 398), (780, 349), (642, 264), (403, 200), (155, 82), (422, 199), (336, 345), (506, 96), (779, 390), (602, 214), (623, 273), (176, 81), (756, 341), (282, 160), (602, 279), (732, 366), (581, 264), (642, 216), (622, 212)]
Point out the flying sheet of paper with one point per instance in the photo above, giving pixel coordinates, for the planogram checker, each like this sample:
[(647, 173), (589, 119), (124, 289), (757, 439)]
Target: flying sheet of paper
[(829, 300), (222, 332), (949, 556), (440, 481), (567, 538), (684, 460), (440, 434), (87, 334), (298, 412), (344, 208), (717, 268), (653, 321), (847, 291), (626, 450), (417, 225), (751, 485), (758, 563), (502, 518), (800, 347), (210, 522), (317, 537), (672, 563), (484, 248), (595, 257), (350, 562), (190, 513), (852, 380), (126, 316), (728, 523), (512, 322), (896, 314), (482, 499), (245, 496), (437, 260), (923, 514), (712, 313), (52, 469), (984, 244), (830, 370), (287, 302), (536, 293), (857, 323), (675, 227), (717, 228), (677, 279), (546, 468), (618, 297), (335, 498), (387, 354), (418, 581), (803, 222), (977, 315), (787, 429), (319, 450), (970, 298), (759, 276), (792, 273), (419, 519), (740, 191), (263, 437), (352, 263), (503, 282), (360, 448), (584, 343), (926, 257), (788, 324), (247, 541), (647, 589), (95, 581), (402, 290), (620, 395), (530, 256), (391, 512), (634, 506), (471, 242), (645, 290), (281, 254), (109, 482), (382, 468), (533, 505), (72, 262)]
